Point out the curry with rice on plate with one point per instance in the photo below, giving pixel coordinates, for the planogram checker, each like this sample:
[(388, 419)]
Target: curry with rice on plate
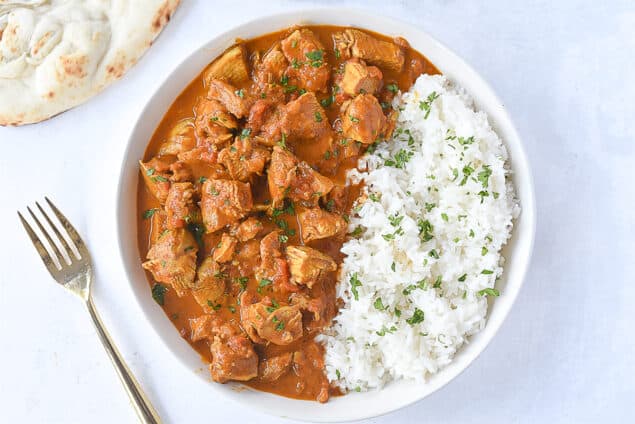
[(244, 204)]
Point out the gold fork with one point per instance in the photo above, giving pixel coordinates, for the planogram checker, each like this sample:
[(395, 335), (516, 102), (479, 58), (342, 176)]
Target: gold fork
[(72, 268)]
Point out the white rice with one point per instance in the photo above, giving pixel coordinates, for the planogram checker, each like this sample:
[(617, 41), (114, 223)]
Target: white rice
[(373, 342)]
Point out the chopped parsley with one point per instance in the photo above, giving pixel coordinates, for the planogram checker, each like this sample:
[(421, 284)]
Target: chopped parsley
[(158, 293), (374, 196), (392, 87), (355, 283), (483, 176), (315, 57), (426, 105), (400, 159), (201, 180), (353, 119), (215, 307), (417, 317), (462, 277), (283, 238), (240, 93), (159, 178), (150, 171), (425, 230), (395, 220), (378, 304), (327, 101), (484, 251), (149, 213), (467, 171), (487, 272), (242, 281), (385, 330), (488, 292), (245, 133), (444, 216)]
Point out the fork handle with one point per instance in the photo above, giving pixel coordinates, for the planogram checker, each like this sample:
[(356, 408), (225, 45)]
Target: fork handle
[(146, 413)]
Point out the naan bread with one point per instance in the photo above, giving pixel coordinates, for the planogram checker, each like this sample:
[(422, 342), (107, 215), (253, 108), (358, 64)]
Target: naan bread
[(55, 54)]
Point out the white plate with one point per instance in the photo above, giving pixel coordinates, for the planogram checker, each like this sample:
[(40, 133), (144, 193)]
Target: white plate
[(354, 405)]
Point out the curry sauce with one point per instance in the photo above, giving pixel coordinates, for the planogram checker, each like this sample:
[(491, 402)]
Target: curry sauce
[(292, 365)]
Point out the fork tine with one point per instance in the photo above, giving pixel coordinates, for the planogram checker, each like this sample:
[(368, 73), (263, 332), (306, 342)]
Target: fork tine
[(41, 250), (72, 232), (60, 257), (61, 238)]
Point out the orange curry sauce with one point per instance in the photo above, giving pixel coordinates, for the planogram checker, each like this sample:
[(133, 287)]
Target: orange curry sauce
[(181, 309)]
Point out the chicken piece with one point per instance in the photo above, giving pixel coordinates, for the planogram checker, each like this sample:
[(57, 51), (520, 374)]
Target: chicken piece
[(201, 328), (227, 95), (364, 120), (248, 257), (317, 224), (213, 123), (271, 369), (283, 163), (203, 154), (350, 148), (309, 69), (248, 229), (305, 362), (158, 224), (172, 260), (280, 325), (355, 43), (307, 265), (231, 66), (337, 199), (271, 68), (157, 181), (321, 309), (304, 120), (359, 78), (287, 177), (225, 249), (179, 205), (224, 202), (273, 266), (180, 139), (308, 185), (244, 158), (210, 284), (181, 172), (233, 355)]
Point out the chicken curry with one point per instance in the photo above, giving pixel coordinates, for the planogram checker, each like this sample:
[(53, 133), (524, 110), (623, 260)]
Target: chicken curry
[(243, 203)]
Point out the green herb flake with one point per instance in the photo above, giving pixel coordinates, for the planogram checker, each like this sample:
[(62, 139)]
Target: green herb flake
[(392, 87), (245, 133), (483, 176), (353, 119), (484, 251), (158, 293), (425, 230), (149, 213), (417, 317), (378, 304), (318, 117), (462, 277), (487, 272), (426, 105), (159, 179), (355, 283), (150, 172), (488, 292), (240, 93), (392, 267), (444, 216)]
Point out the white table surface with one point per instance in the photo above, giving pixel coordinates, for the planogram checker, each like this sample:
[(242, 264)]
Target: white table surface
[(566, 71)]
